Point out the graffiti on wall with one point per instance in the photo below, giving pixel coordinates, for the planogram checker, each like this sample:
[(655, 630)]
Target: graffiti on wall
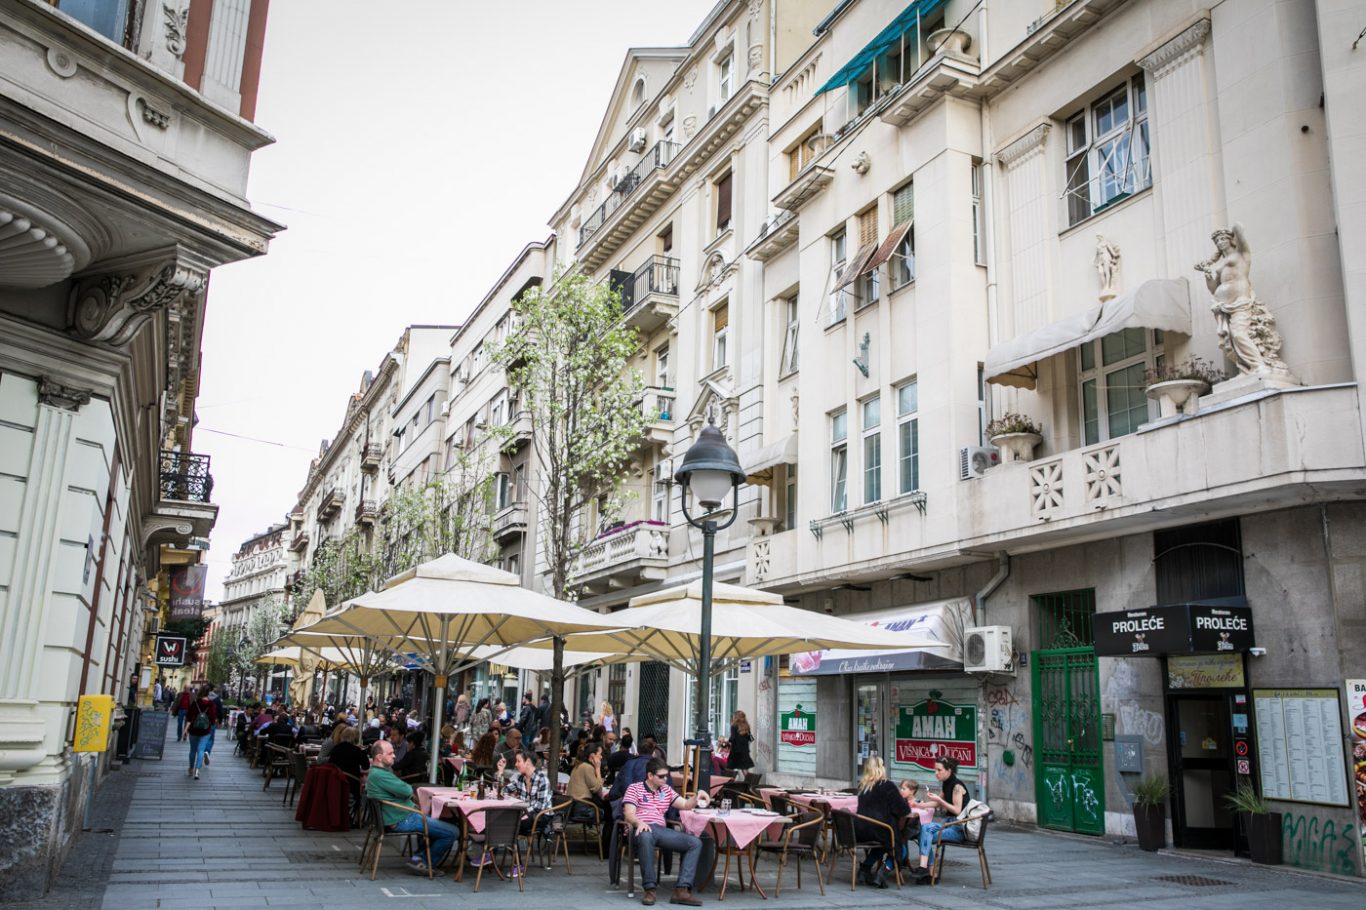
[(1008, 731), (1319, 842)]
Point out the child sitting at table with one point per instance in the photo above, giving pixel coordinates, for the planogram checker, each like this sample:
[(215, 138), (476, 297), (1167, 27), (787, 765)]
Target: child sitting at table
[(921, 814)]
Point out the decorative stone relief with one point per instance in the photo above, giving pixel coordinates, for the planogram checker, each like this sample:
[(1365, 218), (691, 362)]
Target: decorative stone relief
[(1045, 487), (690, 80), (1103, 475), (54, 394), (1190, 43), (796, 408), (176, 21), (690, 125), (861, 163), (158, 119), (761, 550), (755, 7), (111, 307), (756, 57), (61, 62), (1028, 145), (1245, 327), (1107, 266)]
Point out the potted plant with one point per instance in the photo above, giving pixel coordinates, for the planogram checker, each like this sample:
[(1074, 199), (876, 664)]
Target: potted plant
[(1177, 387), (1016, 434), (1150, 811), (1263, 826)]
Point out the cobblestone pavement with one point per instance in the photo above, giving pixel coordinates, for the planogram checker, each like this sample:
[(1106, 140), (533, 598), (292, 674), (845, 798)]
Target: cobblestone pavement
[(221, 842)]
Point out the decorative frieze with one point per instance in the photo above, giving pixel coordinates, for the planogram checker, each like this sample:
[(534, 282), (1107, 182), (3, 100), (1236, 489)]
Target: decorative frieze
[(1190, 43), (1022, 149), (111, 307), (56, 395)]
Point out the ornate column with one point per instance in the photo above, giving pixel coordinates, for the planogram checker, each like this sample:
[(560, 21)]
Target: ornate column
[(22, 730), (1185, 145), (1028, 207)]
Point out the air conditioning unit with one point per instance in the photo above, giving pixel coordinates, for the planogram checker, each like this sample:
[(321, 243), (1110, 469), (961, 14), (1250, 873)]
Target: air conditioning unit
[(988, 649), (973, 461), (636, 142), (445, 408), (612, 181)]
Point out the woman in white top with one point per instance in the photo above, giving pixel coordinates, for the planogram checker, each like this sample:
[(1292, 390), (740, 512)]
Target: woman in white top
[(608, 718)]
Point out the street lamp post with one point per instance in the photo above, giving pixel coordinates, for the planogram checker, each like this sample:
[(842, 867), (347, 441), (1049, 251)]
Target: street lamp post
[(710, 470)]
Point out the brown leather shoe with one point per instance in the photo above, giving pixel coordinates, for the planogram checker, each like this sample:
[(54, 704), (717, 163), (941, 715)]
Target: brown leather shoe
[(649, 898), (684, 896)]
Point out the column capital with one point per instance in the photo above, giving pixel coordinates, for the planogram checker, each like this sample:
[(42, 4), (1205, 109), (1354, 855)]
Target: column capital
[(1190, 43), (54, 394), (1022, 148), (111, 306)]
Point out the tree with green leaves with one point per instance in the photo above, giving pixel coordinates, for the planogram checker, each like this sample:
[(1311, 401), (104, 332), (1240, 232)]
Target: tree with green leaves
[(569, 360), (265, 624)]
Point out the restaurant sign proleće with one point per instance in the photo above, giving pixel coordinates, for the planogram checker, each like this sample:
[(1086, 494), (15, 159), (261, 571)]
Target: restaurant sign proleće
[(932, 729), (798, 727)]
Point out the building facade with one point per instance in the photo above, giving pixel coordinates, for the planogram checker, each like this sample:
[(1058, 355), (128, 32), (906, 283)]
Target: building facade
[(125, 161)]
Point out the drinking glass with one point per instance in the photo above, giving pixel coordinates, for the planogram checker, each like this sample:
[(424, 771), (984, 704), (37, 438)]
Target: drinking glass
[(725, 807)]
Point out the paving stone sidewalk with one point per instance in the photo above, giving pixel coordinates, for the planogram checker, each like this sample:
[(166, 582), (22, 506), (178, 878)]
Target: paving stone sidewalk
[(221, 842)]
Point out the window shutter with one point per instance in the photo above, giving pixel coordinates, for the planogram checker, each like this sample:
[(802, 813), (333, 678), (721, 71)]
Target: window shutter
[(720, 317), (867, 227), (903, 205), (723, 202)]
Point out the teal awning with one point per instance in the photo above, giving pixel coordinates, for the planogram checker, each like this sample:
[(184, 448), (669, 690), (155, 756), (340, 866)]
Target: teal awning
[(884, 40)]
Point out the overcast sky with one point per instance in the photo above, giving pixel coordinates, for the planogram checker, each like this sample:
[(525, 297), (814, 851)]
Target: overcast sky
[(415, 155)]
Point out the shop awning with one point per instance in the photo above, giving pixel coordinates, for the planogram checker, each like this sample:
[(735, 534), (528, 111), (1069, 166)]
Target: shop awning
[(760, 468), (889, 245), (882, 43), (942, 620), (1162, 303), (856, 267), (1191, 628)]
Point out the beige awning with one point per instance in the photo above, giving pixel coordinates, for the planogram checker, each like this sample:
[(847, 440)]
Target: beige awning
[(856, 266), (889, 245), (759, 469), (1162, 303)]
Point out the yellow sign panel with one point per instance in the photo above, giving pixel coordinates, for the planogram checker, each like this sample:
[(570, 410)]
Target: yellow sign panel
[(94, 713)]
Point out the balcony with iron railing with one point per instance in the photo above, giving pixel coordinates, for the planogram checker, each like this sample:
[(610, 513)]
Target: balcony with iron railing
[(184, 510), (367, 512), (656, 158), (331, 504), (624, 557), (371, 456), (299, 542), (649, 295), (659, 403)]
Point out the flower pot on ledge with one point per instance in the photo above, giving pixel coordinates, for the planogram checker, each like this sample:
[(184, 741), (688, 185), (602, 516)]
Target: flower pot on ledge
[(1019, 446), (1177, 396)]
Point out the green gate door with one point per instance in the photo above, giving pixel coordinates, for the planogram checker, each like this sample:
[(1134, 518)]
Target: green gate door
[(1070, 780)]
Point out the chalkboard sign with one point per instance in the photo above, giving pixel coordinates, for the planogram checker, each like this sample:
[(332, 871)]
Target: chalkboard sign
[(151, 734)]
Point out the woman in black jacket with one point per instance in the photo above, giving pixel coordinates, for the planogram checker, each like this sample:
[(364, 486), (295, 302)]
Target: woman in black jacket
[(880, 799), (741, 738), (350, 757)]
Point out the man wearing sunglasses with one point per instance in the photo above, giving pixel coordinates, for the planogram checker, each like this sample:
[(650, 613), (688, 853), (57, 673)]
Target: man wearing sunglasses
[(643, 807)]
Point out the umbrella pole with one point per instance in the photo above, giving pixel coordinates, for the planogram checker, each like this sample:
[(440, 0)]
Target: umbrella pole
[(440, 700)]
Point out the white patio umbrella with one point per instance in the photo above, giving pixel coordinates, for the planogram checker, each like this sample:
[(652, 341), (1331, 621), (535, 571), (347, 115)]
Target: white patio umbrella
[(446, 608), (363, 655), (665, 625)]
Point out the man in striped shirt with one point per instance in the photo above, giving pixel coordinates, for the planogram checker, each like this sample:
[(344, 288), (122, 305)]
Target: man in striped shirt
[(643, 807)]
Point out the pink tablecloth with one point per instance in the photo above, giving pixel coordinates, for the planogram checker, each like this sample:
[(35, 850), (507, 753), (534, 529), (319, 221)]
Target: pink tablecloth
[(434, 801), (743, 826), (717, 782), (846, 801)]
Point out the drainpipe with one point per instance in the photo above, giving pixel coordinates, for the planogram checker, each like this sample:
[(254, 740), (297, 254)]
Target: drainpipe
[(988, 195), (979, 601)]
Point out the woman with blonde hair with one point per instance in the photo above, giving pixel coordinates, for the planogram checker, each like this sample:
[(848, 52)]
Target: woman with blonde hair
[(880, 799), (740, 739), (330, 743), (608, 718)]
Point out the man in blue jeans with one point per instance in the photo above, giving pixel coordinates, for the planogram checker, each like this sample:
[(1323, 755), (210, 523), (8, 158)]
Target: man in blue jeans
[(381, 783), (643, 807)]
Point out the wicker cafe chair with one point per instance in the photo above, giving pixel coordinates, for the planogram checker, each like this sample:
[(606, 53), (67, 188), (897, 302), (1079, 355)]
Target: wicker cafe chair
[(843, 823), (547, 837), (586, 814), (299, 771), (969, 842), (500, 832), (800, 839), (374, 836), (279, 763)]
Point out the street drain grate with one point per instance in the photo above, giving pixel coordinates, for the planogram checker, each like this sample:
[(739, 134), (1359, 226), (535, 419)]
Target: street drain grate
[(1192, 881), (318, 856)]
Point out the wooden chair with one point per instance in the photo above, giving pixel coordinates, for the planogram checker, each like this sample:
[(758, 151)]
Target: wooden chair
[(846, 840), (374, 835), (978, 843), (298, 771), (500, 832), (801, 838), (547, 832), (279, 763)]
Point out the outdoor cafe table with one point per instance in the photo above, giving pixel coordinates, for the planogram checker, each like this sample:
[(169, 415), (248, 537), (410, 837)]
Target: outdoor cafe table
[(846, 801), (717, 782), (743, 827), (434, 801)]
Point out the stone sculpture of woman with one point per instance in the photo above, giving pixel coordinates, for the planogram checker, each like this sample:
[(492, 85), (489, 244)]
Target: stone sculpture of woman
[(1245, 328), (1107, 263)]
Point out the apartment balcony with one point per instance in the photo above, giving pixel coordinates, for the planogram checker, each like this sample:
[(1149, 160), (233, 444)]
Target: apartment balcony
[(637, 188), (183, 510), (367, 513), (771, 555), (944, 75), (1267, 451), (510, 522), (299, 542), (624, 557), (807, 186), (775, 235), (371, 456), (294, 581), (331, 505), (649, 295), (521, 430), (659, 404)]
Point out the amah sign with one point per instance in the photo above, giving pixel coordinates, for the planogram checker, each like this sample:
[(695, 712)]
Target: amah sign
[(931, 729), (798, 727)]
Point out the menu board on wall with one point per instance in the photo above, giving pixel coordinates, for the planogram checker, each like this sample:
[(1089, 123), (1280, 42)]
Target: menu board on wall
[(1299, 740)]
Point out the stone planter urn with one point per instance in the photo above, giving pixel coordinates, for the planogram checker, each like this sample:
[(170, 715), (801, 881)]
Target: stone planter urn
[(1177, 396), (1019, 446), (951, 41)]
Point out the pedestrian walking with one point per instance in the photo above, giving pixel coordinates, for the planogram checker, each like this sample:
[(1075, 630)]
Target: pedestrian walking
[(157, 694), (201, 721), (182, 708), (211, 692)]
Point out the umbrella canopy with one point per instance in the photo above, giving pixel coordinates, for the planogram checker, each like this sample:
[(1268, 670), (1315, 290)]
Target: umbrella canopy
[(302, 685), (666, 625), (295, 657), (447, 608), (359, 654), (540, 659)]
